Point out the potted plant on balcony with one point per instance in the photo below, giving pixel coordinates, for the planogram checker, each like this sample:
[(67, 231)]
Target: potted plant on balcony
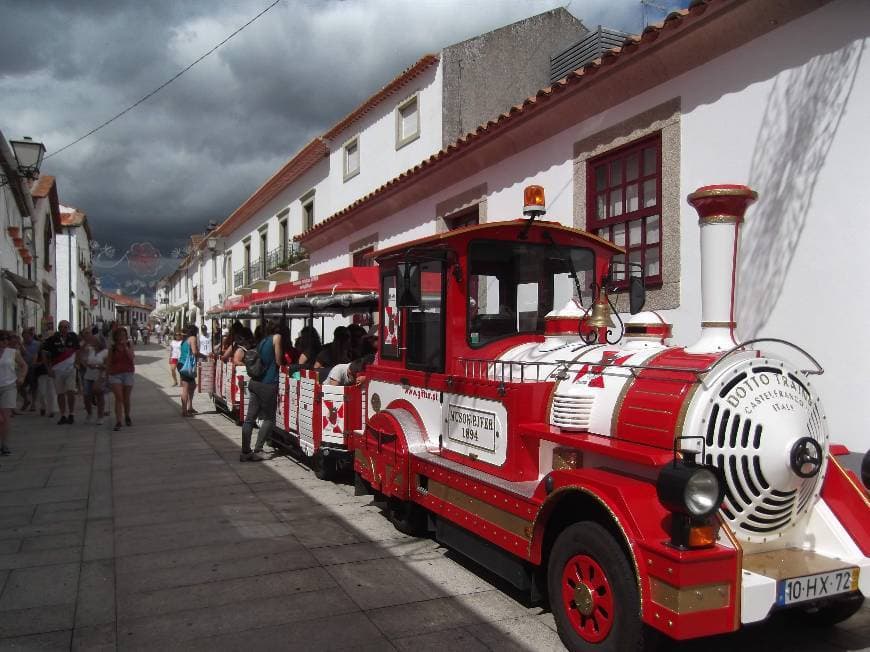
[(14, 231)]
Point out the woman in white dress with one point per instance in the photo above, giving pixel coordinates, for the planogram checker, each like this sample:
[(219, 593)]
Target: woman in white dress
[(13, 370), (95, 384)]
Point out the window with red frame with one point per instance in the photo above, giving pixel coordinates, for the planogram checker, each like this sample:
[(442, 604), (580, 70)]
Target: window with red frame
[(623, 205)]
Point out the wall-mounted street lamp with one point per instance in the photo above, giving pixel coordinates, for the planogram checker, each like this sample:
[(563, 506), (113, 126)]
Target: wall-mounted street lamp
[(28, 158), (214, 244)]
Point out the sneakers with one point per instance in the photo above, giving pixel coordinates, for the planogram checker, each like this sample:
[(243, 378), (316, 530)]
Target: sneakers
[(70, 420), (4, 450), (117, 427), (253, 456), (62, 421), (128, 422)]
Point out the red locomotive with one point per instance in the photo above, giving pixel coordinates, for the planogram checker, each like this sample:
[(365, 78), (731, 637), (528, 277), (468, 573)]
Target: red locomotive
[(643, 486)]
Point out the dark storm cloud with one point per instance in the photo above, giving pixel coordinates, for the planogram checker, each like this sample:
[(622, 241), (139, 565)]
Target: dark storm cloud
[(196, 150)]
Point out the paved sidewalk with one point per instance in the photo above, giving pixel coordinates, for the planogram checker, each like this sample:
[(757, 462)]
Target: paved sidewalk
[(157, 537)]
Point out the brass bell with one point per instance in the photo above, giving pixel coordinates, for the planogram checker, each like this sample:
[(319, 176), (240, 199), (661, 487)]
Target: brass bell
[(600, 317)]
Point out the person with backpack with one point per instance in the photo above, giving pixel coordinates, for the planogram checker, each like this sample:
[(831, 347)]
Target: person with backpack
[(262, 363), (186, 366)]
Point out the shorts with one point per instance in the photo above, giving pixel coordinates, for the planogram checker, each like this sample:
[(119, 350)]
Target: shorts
[(8, 397), (125, 379), (188, 379), (65, 381), (173, 361)]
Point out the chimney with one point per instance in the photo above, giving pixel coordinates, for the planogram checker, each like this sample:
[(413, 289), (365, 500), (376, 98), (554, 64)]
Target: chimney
[(720, 212)]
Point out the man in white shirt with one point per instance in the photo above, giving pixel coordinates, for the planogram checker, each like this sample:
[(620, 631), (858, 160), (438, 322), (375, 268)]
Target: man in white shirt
[(204, 342), (348, 373)]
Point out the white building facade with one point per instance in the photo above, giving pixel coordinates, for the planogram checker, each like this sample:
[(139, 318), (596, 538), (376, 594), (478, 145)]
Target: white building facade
[(28, 215), (770, 96), (75, 277), (403, 124)]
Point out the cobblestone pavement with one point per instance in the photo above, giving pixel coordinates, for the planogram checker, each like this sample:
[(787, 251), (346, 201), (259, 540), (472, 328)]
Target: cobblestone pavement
[(156, 537)]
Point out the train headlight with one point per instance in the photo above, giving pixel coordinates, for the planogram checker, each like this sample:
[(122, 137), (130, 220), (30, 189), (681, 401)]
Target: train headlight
[(693, 492), (703, 493)]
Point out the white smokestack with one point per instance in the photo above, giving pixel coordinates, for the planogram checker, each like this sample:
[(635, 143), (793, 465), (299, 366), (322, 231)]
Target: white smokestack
[(720, 213)]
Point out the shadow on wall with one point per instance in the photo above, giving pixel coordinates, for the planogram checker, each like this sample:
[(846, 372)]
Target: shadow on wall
[(801, 119)]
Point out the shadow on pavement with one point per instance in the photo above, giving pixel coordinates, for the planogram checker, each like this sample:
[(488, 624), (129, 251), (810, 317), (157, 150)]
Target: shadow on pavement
[(157, 536)]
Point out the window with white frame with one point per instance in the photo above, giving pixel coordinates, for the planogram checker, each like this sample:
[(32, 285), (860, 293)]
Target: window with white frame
[(350, 154), (307, 201), (408, 121)]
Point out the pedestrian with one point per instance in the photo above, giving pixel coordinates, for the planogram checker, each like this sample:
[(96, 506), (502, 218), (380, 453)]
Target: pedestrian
[(59, 356), (174, 354), (13, 370), (158, 331), (187, 369), (30, 353), (262, 394), (121, 370), (95, 379), (46, 394), (205, 346)]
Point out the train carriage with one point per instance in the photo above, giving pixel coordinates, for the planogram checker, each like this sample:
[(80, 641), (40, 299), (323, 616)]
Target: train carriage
[(643, 486), (317, 419)]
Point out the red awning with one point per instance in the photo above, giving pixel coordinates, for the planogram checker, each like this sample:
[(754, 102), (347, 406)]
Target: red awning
[(343, 281), (333, 292)]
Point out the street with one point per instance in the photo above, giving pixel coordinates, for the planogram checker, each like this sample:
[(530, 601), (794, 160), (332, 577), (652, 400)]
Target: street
[(157, 537)]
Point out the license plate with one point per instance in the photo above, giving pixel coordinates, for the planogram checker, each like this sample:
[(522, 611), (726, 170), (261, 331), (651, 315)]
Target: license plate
[(813, 587)]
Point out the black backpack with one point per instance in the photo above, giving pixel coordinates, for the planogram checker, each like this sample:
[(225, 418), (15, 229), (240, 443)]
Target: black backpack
[(254, 363)]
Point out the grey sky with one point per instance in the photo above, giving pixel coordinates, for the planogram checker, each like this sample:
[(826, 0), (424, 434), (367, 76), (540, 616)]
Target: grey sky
[(196, 150)]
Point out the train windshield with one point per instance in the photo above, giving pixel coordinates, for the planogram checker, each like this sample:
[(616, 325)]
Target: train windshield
[(513, 285)]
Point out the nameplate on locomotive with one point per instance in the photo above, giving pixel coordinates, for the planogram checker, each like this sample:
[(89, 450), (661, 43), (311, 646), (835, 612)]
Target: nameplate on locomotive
[(476, 428)]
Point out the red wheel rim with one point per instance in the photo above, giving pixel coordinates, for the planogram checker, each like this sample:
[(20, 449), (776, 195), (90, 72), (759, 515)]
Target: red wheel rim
[(587, 598)]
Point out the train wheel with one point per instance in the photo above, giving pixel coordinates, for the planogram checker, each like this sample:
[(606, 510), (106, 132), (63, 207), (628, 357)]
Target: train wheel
[(407, 517), (324, 466), (593, 592)]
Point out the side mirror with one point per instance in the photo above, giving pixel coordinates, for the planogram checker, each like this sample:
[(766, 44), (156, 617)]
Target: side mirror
[(409, 291), (636, 295)]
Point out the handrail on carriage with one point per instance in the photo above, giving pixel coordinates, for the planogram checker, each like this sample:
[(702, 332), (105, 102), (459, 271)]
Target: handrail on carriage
[(480, 368)]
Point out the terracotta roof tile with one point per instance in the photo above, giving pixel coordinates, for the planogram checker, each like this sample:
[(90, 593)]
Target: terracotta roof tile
[(124, 300), (72, 216), (42, 187), (292, 170), (422, 64), (315, 150), (530, 104)]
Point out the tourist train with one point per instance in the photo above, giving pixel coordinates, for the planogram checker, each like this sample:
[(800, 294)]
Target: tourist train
[(641, 486)]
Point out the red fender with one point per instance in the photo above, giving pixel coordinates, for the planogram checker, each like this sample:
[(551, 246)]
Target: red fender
[(644, 523), (381, 456)]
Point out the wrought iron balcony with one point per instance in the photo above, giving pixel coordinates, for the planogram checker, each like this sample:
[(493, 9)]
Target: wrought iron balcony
[(276, 259), (239, 279), (255, 271)]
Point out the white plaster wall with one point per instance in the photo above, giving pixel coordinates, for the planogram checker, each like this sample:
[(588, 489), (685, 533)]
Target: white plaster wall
[(786, 114), (380, 161), (9, 257)]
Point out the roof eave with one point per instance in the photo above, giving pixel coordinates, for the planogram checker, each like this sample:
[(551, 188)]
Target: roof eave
[(683, 41)]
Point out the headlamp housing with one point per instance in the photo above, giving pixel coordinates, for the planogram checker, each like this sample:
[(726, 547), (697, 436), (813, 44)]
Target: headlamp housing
[(693, 492)]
